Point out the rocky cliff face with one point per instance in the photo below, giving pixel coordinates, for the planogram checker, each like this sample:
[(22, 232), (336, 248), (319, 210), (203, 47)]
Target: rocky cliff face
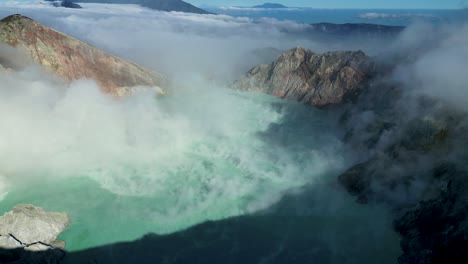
[(436, 230), (416, 166), (73, 59), (314, 79)]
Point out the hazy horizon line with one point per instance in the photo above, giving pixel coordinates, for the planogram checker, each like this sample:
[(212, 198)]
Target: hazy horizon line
[(334, 8)]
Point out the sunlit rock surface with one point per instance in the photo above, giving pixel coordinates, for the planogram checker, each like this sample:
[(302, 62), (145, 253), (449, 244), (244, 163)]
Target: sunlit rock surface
[(73, 59), (32, 228), (314, 79)]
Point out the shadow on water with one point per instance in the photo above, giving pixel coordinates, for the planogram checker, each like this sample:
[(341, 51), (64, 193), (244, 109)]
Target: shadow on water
[(319, 224), (303, 128)]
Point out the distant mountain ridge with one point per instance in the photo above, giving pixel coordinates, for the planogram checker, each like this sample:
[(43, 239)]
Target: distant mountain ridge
[(270, 5), (162, 5), (64, 3), (355, 28)]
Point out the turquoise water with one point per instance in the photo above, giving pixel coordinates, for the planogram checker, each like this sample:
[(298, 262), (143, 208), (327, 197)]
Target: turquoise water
[(398, 17), (121, 169), (149, 164)]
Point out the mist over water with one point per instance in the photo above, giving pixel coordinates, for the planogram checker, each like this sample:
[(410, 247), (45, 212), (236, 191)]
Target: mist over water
[(152, 164), (149, 164)]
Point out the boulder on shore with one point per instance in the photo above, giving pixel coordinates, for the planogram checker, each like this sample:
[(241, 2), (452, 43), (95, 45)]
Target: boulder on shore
[(32, 228)]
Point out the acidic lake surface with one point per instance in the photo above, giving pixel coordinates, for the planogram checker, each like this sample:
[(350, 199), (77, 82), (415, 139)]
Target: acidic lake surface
[(161, 165)]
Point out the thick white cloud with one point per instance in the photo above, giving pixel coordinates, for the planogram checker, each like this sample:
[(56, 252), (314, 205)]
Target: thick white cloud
[(437, 59), (216, 45), (204, 151), (220, 47), (374, 15), (198, 152)]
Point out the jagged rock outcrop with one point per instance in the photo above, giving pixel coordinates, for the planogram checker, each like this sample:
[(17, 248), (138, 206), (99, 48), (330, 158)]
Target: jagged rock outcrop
[(32, 228), (73, 59), (314, 79)]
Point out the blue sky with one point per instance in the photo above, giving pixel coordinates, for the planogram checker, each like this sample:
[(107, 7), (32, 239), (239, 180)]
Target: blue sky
[(395, 4), (387, 4)]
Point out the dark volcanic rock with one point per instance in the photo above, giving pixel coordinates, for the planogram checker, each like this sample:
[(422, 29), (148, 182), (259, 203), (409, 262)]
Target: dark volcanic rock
[(314, 79), (419, 178), (436, 231), (415, 163), (73, 59), (399, 165), (22, 256), (357, 180)]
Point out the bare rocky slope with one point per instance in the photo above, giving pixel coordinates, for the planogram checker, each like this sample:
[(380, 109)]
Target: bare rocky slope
[(73, 59), (314, 79)]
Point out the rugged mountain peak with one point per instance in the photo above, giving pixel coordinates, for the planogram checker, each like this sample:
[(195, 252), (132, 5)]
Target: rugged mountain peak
[(17, 19), (73, 59), (270, 5), (299, 53), (315, 79)]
